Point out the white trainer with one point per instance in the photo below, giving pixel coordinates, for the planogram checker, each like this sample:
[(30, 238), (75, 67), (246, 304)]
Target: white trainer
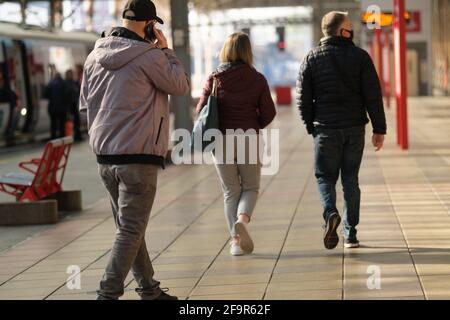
[(235, 249), (245, 241)]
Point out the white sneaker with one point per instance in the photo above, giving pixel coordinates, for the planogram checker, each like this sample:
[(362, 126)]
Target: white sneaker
[(235, 249), (245, 241)]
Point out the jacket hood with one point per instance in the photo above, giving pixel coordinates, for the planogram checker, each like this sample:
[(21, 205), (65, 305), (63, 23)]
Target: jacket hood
[(112, 53), (236, 77)]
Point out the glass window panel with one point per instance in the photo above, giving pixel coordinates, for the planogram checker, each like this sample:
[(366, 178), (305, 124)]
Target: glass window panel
[(38, 13), (10, 12)]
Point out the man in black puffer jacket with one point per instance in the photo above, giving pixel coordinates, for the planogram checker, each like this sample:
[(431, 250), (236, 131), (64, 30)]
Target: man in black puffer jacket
[(337, 87)]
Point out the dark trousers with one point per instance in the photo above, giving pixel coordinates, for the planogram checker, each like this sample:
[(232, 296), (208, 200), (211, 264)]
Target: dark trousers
[(339, 151), (132, 190), (76, 122), (57, 125)]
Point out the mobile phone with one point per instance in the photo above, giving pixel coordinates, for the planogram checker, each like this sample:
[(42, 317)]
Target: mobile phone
[(149, 33)]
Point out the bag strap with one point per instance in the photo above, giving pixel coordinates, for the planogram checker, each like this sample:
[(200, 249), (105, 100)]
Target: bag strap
[(214, 88)]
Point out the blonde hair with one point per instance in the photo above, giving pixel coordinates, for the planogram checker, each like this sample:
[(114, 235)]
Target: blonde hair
[(237, 47)]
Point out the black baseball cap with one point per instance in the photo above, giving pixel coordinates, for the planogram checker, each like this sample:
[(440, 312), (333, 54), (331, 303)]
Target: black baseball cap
[(140, 10)]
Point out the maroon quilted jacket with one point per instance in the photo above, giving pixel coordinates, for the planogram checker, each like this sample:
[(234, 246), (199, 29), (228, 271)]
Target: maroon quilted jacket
[(243, 95)]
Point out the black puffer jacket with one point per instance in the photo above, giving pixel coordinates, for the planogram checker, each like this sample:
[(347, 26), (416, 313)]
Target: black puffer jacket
[(338, 85)]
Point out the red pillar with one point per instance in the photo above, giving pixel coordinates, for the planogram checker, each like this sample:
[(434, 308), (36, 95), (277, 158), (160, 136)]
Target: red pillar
[(400, 73), (387, 71), (379, 58), (371, 47)]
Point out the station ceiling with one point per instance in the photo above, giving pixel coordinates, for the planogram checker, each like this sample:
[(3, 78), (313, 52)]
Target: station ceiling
[(207, 5), (230, 4)]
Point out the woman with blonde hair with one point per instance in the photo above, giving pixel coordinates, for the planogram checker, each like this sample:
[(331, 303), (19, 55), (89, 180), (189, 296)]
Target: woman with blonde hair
[(245, 102)]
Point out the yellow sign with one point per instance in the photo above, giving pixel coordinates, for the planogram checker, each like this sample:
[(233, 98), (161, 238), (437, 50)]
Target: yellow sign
[(384, 19)]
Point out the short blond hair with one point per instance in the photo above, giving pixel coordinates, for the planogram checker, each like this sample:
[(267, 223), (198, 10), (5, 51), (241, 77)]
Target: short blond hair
[(237, 47)]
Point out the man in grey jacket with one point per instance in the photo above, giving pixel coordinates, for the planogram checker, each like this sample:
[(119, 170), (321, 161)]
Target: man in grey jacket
[(127, 79)]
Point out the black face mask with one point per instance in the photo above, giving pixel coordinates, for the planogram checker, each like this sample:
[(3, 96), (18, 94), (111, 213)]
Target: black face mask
[(149, 33), (349, 31)]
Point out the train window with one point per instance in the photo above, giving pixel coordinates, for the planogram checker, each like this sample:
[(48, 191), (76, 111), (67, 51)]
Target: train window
[(38, 13), (4, 82), (18, 81), (5, 96), (62, 58), (10, 11), (50, 58)]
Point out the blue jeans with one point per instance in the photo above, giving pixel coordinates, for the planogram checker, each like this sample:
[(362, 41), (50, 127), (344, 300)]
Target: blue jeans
[(339, 151)]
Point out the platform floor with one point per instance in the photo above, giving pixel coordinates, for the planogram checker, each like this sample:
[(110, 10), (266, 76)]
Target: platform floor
[(404, 230)]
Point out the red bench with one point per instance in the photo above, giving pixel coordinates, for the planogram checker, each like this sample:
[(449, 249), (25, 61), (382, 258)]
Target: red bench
[(44, 175)]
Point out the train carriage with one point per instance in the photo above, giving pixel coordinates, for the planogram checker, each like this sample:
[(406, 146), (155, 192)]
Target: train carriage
[(28, 59)]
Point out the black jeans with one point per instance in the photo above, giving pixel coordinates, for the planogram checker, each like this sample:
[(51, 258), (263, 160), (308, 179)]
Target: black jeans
[(57, 125), (339, 151), (76, 121)]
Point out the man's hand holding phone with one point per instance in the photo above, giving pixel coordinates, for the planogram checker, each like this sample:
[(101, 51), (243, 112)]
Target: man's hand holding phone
[(160, 38)]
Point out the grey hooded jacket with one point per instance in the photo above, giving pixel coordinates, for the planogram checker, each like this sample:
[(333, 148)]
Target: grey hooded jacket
[(125, 91)]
